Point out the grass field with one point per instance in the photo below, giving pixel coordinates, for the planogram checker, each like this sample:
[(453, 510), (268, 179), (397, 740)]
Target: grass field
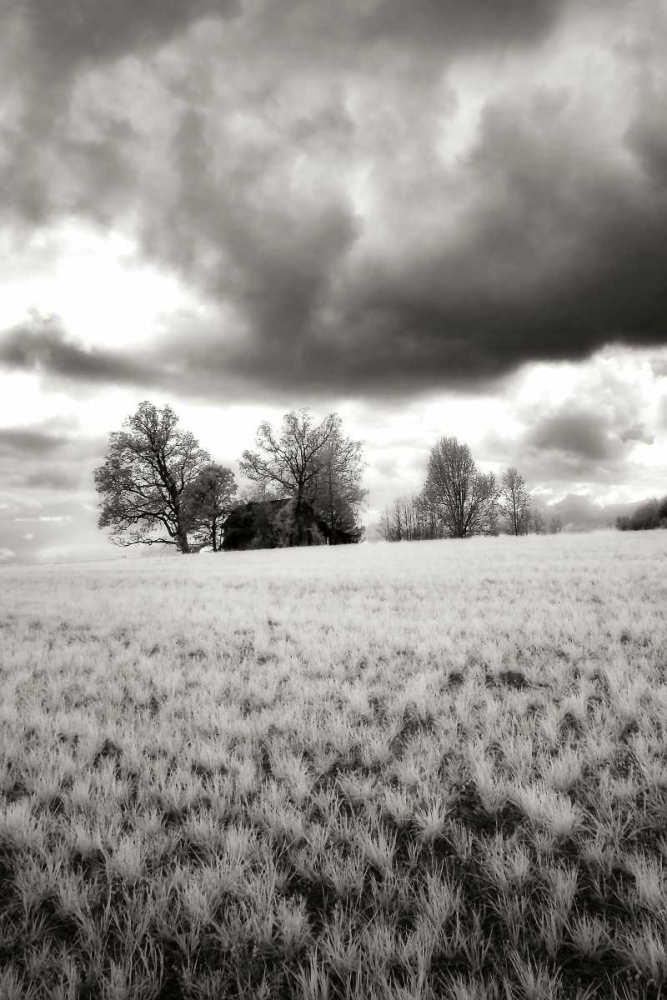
[(434, 769)]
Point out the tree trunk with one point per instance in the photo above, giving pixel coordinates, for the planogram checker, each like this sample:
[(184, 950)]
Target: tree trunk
[(182, 542)]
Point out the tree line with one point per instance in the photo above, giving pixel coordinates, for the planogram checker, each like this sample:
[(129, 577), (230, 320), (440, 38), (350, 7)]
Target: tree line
[(648, 516), (458, 500), (159, 486)]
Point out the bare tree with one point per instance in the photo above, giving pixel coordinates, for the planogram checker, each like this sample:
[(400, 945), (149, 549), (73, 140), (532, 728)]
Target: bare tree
[(536, 522), (336, 491), (398, 520), (463, 498), (141, 484), (207, 502), (416, 518), (514, 501), (285, 465), (555, 525), (395, 520), (313, 463), (428, 523), (385, 528)]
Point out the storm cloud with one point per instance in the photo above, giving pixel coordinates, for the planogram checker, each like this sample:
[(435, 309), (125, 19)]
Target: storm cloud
[(41, 345), (369, 199)]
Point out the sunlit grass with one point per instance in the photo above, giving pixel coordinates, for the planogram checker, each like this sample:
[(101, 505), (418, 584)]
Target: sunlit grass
[(422, 770)]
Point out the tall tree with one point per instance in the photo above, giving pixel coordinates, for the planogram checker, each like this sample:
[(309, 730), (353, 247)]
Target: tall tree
[(463, 498), (336, 492), (310, 462), (514, 501), (150, 465), (385, 527), (285, 465), (207, 501)]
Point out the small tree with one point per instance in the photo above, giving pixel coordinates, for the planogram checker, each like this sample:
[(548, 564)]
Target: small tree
[(514, 501), (149, 467), (463, 497), (536, 522), (400, 521), (555, 525), (207, 502)]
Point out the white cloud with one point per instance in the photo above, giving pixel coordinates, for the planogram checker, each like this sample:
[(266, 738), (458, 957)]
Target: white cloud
[(89, 274), (44, 518), (6, 554)]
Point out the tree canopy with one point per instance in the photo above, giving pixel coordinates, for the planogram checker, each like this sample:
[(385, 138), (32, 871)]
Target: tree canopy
[(310, 462), (336, 491), (207, 501), (151, 464), (285, 464), (463, 498)]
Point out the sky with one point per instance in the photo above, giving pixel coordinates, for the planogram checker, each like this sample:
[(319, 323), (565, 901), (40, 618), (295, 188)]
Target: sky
[(432, 217)]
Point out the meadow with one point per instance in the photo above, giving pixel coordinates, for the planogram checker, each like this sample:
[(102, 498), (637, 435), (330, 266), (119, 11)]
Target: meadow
[(423, 770)]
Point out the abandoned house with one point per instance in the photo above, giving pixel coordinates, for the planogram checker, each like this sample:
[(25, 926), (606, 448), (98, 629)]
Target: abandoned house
[(273, 524)]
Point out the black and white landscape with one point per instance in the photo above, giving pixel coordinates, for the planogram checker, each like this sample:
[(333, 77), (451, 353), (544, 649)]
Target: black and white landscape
[(354, 313), (434, 218)]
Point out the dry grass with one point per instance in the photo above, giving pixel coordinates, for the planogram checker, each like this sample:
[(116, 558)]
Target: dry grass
[(427, 770)]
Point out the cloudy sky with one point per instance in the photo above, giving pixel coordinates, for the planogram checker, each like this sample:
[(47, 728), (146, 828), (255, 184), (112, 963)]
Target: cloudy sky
[(435, 217)]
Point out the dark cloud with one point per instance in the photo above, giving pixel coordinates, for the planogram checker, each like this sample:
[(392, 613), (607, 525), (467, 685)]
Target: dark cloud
[(285, 162), (582, 434), (71, 32), (558, 257), (314, 29), (44, 477), (647, 139), (51, 169), (454, 24), (28, 440), (41, 345), (56, 477)]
